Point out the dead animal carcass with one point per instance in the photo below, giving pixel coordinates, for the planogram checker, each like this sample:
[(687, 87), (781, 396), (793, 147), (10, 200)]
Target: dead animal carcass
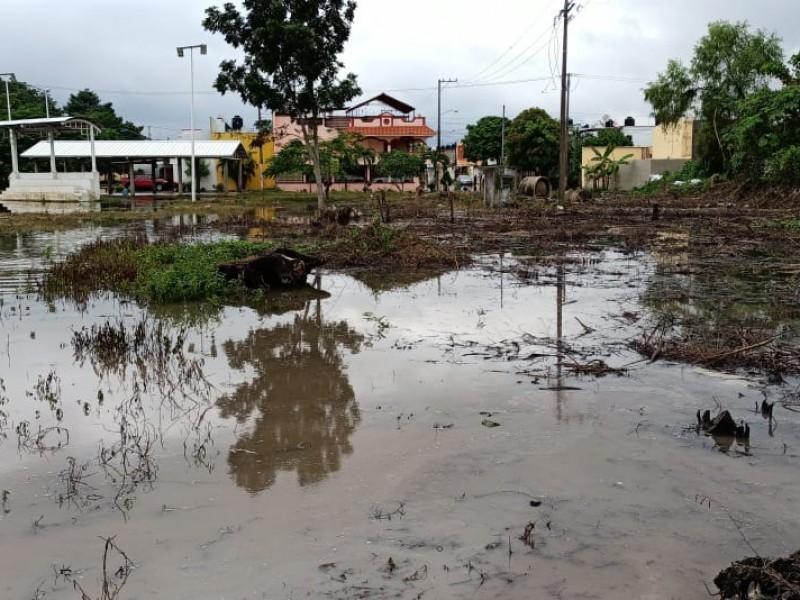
[(282, 268)]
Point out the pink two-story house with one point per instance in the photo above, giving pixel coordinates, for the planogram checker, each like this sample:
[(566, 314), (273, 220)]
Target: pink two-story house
[(383, 122)]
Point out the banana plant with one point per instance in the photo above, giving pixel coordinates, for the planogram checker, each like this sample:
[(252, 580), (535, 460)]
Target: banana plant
[(604, 166)]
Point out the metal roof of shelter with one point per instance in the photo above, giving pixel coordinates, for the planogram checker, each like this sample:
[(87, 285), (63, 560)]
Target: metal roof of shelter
[(139, 149), (47, 124)]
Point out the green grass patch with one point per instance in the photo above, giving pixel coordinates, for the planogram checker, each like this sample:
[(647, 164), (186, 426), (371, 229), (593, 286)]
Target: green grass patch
[(791, 224), (158, 273)]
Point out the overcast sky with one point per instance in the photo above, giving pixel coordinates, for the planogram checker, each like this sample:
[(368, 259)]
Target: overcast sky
[(502, 53)]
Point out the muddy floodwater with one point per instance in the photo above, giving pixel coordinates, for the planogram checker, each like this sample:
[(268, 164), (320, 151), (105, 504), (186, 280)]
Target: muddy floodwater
[(486, 433)]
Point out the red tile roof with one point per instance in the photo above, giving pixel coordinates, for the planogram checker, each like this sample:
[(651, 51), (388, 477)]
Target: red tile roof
[(396, 131)]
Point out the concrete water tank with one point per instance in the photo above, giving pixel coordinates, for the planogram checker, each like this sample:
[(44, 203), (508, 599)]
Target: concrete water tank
[(535, 187)]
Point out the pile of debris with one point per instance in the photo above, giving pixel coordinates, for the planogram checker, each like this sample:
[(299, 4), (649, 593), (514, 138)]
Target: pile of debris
[(756, 577)]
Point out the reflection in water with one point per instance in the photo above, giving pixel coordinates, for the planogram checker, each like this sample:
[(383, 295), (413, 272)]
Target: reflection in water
[(53, 208), (302, 406)]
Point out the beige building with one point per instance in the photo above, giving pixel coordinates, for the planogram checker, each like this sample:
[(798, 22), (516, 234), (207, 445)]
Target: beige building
[(675, 141), (672, 148)]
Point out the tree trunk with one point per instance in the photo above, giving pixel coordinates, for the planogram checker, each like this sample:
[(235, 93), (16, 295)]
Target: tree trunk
[(311, 138)]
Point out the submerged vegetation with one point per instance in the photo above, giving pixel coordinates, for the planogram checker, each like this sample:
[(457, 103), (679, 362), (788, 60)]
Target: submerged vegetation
[(173, 271), (149, 272)]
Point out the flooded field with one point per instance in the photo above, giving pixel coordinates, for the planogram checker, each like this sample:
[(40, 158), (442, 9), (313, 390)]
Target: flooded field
[(485, 433)]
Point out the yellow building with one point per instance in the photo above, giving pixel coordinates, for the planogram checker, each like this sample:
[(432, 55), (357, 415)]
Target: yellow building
[(676, 141), (672, 148), (260, 155)]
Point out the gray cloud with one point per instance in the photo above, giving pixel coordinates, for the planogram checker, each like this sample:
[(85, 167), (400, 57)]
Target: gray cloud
[(125, 51)]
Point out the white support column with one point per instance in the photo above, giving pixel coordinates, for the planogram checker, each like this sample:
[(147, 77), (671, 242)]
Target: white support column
[(94, 154), (52, 139), (14, 155), (180, 176), (95, 177), (131, 184)]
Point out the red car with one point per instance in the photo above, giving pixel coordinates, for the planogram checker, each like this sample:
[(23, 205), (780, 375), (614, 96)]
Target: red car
[(145, 183)]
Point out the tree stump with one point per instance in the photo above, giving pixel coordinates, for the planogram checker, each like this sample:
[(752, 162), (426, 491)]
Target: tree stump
[(282, 268)]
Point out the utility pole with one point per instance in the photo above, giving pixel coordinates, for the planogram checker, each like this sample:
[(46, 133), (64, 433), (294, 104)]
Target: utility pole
[(439, 128), (563, 163), (502, 157), (503, 139)]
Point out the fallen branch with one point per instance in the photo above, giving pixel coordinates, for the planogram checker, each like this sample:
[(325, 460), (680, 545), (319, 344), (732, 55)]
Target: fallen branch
[(740, 350)]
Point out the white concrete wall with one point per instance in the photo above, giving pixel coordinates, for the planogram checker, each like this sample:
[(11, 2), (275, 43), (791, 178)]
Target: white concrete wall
[(53, 187), (637, 172)]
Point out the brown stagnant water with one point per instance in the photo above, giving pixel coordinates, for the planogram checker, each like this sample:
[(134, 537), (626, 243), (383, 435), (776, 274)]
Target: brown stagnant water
[(341, 432)]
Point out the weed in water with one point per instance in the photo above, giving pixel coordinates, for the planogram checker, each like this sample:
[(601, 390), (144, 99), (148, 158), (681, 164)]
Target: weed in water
[(151, 356), (3, 412), (381, 324), (76, 491), (114, 579)]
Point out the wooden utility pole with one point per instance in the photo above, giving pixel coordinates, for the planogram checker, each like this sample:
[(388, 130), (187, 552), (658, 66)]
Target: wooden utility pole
[(439, 131), (563, 163)]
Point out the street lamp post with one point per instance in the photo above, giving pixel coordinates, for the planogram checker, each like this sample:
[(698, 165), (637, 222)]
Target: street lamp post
[(6, 77), (203, 50)]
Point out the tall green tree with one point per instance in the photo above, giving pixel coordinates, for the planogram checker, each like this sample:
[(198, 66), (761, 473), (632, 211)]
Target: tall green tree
[(765, 139), (729, 64), (291, 61), (609, 136), (291, 158), (335, 157), (346, 153), (532, 142), (484, 139), (27, 102), (400, 166), (87, 105)]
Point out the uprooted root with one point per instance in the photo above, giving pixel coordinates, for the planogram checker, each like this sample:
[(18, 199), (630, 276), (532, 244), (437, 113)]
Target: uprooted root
[(756, 577)]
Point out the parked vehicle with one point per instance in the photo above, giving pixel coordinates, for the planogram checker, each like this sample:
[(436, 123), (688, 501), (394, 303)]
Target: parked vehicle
[(145, 183), (465, 183)]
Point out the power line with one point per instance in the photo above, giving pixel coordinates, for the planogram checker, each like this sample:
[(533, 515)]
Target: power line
[(505, 53), (493, 83), (520, 60)]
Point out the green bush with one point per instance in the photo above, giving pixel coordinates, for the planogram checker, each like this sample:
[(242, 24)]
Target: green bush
[(783, 167)]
